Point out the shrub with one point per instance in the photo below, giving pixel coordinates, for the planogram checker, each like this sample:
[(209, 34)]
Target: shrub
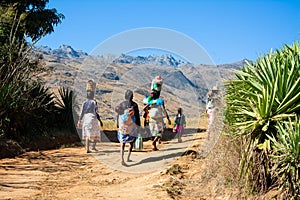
[(286, 154), (263, 94)]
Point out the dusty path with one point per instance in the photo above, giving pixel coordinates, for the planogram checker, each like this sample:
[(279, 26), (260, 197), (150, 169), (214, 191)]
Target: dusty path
[(147, 160), (70, 173)]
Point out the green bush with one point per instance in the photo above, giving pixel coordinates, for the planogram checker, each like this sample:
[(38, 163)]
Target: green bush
[(263, 94), (29, 112), (65, 103), (286, 154)]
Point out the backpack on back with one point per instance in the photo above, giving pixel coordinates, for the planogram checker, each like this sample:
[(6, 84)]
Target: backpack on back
[(127, 117)]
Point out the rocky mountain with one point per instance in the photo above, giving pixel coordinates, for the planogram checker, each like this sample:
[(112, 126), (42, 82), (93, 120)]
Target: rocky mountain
[(162, 60), (236, 65), (63, 51), (185, 85)]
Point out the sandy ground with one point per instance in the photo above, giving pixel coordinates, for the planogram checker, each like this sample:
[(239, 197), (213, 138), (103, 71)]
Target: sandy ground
[(71, 173)]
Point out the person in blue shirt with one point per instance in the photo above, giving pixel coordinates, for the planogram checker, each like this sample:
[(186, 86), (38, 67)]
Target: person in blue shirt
[(128, 123)]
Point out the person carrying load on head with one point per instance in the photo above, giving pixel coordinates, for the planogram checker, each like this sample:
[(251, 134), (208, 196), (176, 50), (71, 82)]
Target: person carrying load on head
[(90, 90), (212, 108), (89, 123), (157, 113), (156, 85), (91, 87), (128, 123)]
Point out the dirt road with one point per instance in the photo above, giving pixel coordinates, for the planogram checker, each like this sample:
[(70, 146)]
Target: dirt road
[(70, 173)]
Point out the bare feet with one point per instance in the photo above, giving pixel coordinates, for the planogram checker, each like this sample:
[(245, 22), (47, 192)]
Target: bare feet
[(123, 163), (94, 149), (154, 148)]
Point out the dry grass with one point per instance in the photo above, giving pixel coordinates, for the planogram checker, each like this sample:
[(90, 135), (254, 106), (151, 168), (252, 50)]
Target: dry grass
[(220, 175), (109, 125), (214, 176)]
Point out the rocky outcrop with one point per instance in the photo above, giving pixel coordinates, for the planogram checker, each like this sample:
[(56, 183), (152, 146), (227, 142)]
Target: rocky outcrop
[(62, 51), (162, 60)]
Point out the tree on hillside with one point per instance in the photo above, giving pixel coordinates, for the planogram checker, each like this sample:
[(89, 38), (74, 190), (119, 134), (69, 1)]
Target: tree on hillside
[(27, 108), (32, 19)]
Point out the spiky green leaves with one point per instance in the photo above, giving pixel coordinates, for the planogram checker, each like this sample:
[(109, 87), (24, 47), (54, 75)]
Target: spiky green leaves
[(286, 148), (263, 97), (265, 92)]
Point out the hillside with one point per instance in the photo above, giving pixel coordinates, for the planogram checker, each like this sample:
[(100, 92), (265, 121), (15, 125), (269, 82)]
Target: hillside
[(193, 169), (185, 85)]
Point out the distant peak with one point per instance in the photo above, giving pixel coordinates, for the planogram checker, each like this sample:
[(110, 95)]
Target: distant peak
[(66, 47), (161, 60), (235, 65), (63, 51)]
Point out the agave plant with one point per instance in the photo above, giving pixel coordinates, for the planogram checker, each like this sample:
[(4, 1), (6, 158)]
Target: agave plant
[(286, 156), (263, 94), (22, 106), (65, 103)]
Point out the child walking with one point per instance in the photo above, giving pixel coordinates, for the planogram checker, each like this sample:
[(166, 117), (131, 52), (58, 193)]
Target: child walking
[(179, 124)]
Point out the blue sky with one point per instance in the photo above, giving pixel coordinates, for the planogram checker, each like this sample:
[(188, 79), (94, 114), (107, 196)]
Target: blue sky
[(228, 31)]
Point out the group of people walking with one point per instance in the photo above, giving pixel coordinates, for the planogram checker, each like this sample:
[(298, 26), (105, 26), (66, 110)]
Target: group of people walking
[(128, 120)]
